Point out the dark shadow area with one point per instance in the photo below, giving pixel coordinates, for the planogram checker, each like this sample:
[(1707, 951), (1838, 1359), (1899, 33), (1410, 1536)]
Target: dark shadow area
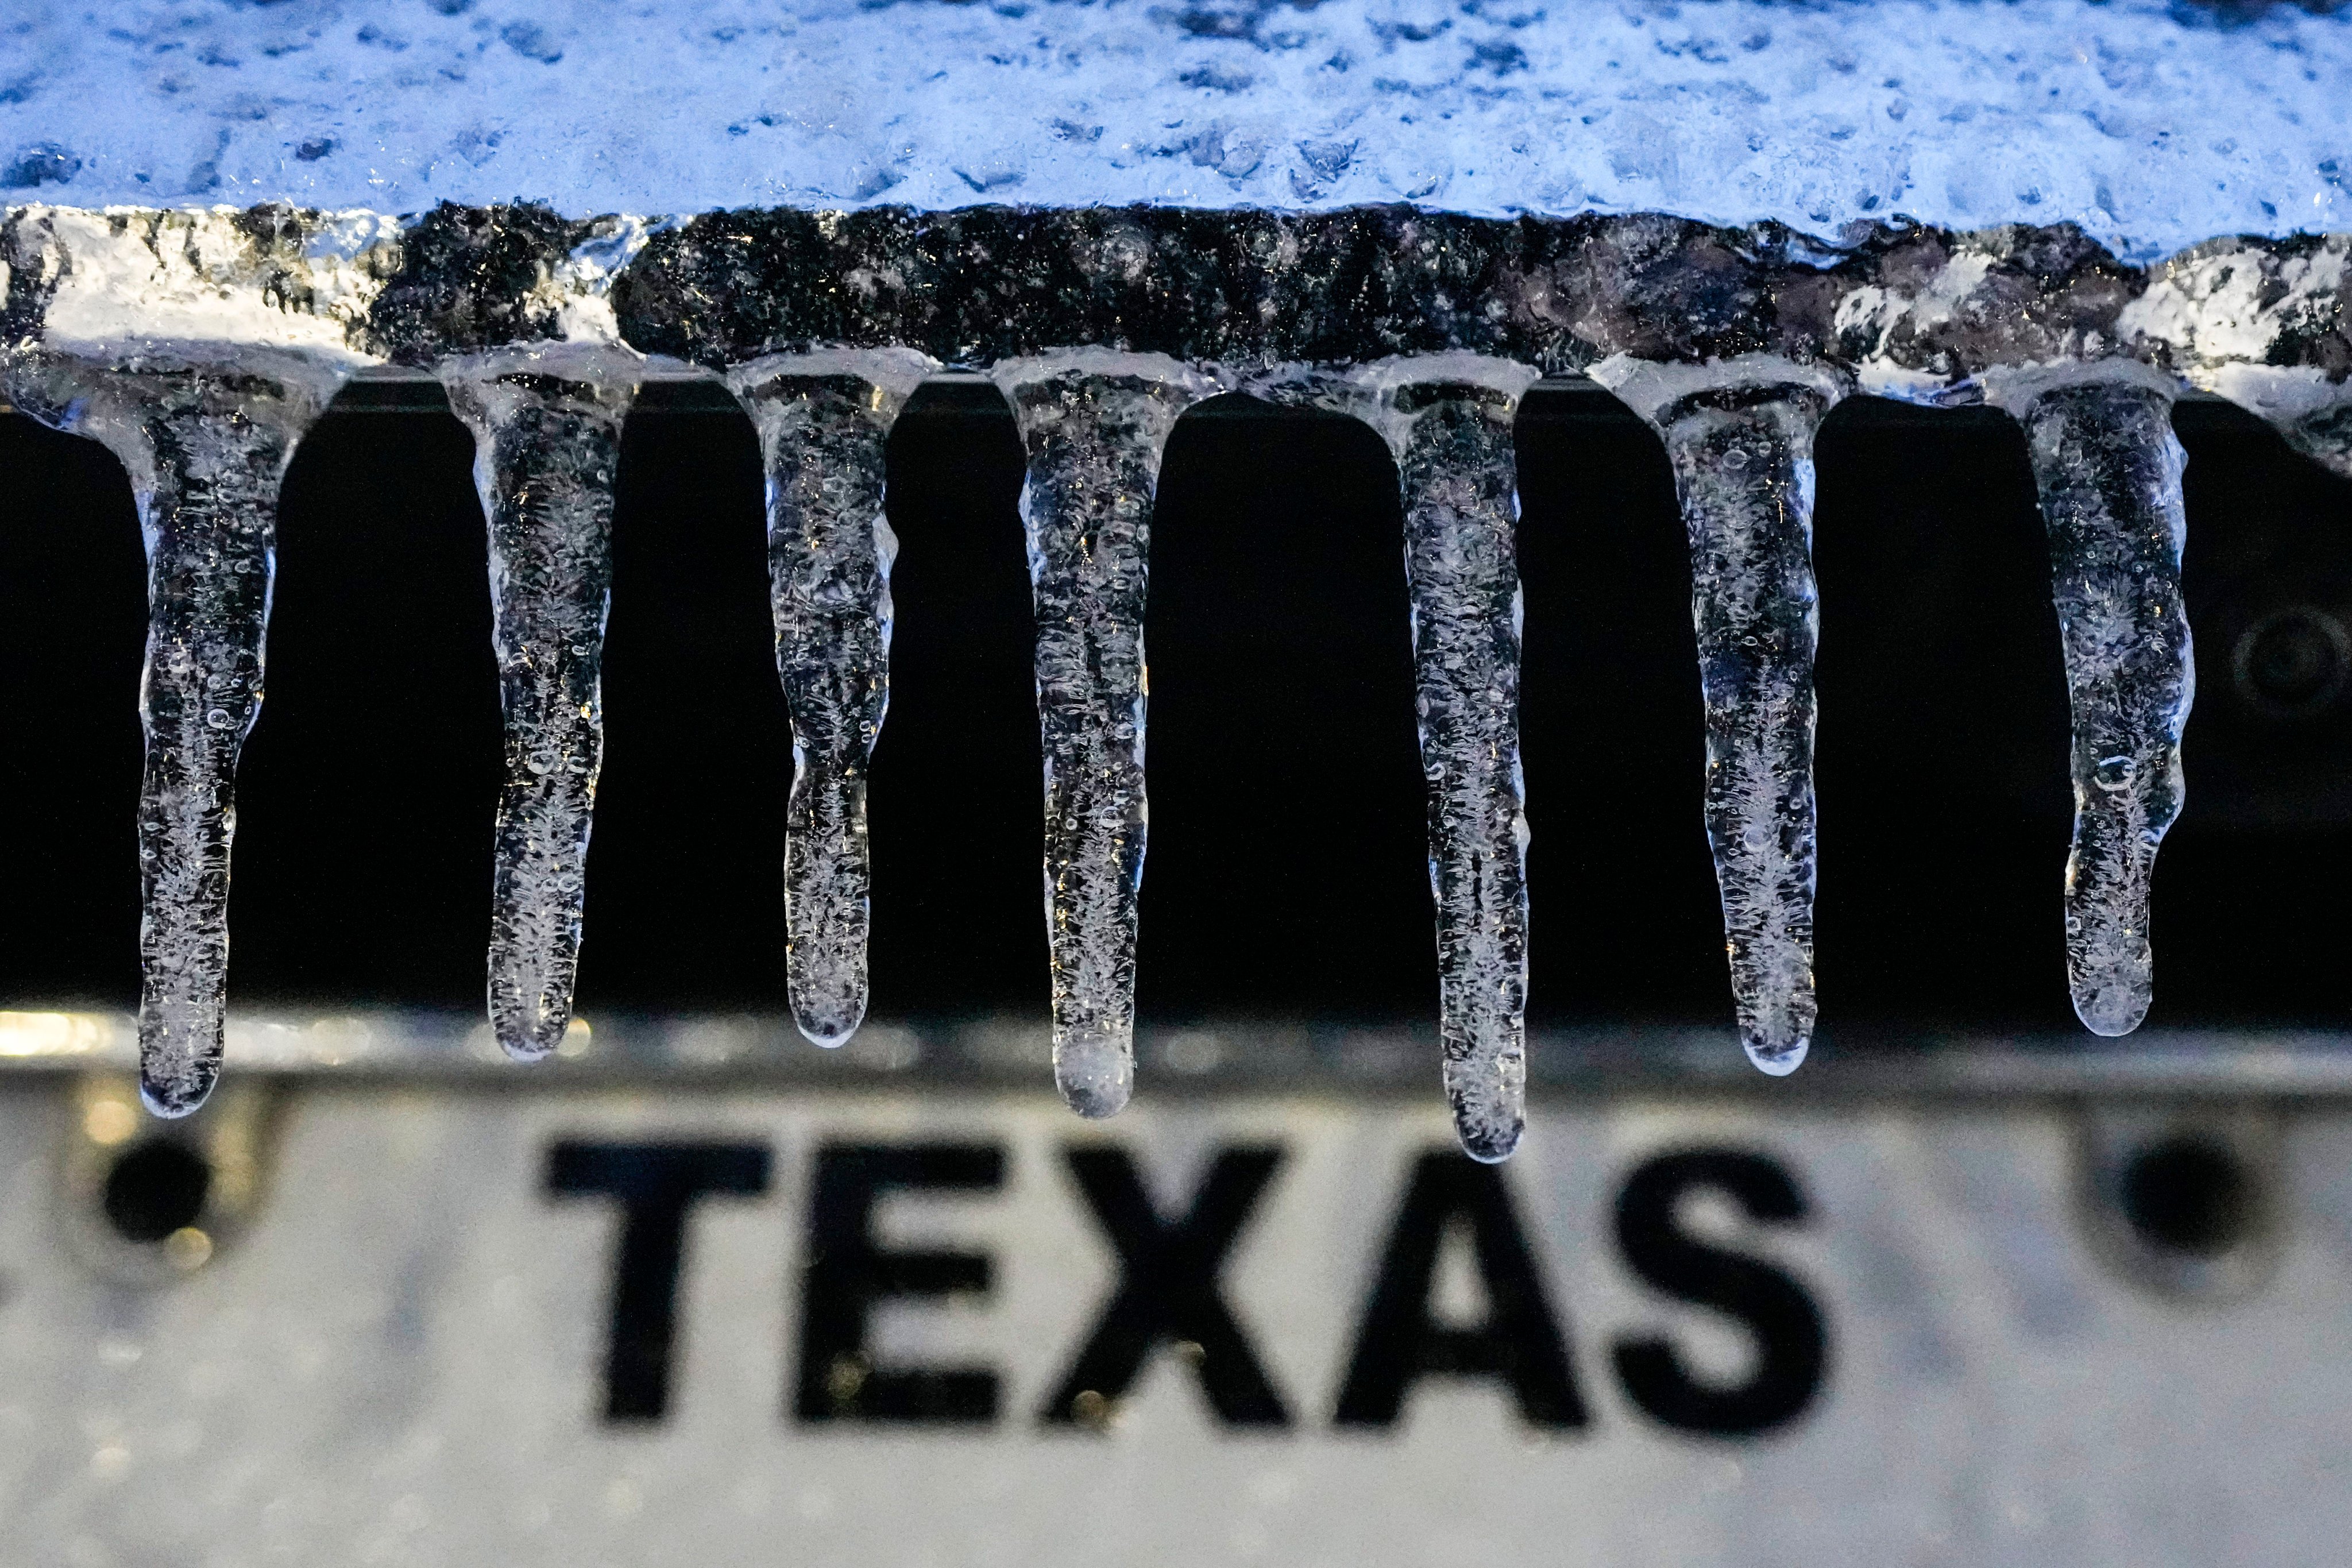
[(1289, 866), (2252, 875), (1941, 758), (73, 618), (685, 871), (365, 799), (1623, 917), (956, 804)]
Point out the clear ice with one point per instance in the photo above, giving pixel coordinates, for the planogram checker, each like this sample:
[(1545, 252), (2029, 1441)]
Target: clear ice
[(2108, 468), (546, 450), (1448, 423), (823, 422), (205, 451), (1742, 452), (1094, 423)]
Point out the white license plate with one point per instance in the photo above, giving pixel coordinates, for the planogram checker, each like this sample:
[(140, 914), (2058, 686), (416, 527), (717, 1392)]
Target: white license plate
[(556, 1320)]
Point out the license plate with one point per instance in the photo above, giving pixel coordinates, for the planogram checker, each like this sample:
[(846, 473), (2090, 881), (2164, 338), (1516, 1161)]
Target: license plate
[(885, 1309)]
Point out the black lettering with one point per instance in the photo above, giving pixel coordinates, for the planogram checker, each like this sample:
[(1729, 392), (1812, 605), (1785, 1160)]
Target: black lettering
[(1400, 1343), (655, 1184), (1791, 1339), (1168, 1289), (847, 1273)]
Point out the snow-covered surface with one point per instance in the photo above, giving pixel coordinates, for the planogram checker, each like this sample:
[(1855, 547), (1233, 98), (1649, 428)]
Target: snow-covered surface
[(2146, 122)]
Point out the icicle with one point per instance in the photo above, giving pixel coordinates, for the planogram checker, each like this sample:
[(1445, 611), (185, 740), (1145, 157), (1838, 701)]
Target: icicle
[(1739, 433), (1094, 423), (205, 451), (824, 421), (1448, 421), (547, 442), (2109, 472)]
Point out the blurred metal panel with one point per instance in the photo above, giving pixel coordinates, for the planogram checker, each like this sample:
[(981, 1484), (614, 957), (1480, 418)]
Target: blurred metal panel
[(2056, 1330)]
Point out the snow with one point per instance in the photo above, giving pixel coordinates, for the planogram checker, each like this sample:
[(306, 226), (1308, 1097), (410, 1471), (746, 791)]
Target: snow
[(2153, 125)]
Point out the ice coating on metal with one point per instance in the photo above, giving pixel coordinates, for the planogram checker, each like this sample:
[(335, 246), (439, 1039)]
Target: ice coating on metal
[(546, 449), (2269, 327), (2108, 468), (1912, 310), (206, 451), (1093, 424), (2148, 122), (1742, 452), (823, 422), (1448, 420), (259, 275)]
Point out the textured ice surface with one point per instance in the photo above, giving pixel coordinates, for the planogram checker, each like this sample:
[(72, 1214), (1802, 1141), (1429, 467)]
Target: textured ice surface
[(205, 452), (546, 448), (2265, 327), (1740, 438), (824, 421), (158, 278), (1448, 420), (1093, 424), (1910, 311), (2143, 120), (2108, 468)]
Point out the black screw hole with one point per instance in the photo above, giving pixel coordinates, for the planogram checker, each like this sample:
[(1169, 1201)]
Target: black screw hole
[(2188, 1195), (155, 1189), (2294, 663)]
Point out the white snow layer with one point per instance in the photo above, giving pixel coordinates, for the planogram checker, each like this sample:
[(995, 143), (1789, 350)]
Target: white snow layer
[(2153, 125)]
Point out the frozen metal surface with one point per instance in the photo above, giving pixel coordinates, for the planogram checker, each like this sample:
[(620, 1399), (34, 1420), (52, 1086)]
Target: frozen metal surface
[(1216, 1056), (399, 1358), (1247, 297)]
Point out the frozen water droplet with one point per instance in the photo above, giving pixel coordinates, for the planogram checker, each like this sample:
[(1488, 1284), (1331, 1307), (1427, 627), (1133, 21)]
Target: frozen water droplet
[(823, 424), (174, 1080), (545, 450), (1744, 469), (2108, 469), (218, 719), (1094, 1070), (1093, 424), (1778, 1056)]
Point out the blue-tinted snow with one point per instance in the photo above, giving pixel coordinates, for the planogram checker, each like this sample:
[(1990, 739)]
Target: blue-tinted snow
[(2148, 123)]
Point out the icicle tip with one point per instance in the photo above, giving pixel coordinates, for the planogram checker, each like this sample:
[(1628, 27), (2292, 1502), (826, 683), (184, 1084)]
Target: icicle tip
[(1094, 1070), (530, 1039), (830, 1032), (1489, 1142), (169, 1096), (2114, 1008), (1777, 1059), (1489, 1103)]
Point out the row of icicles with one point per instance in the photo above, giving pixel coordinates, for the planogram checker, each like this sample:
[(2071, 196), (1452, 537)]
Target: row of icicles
[(1094, 426)]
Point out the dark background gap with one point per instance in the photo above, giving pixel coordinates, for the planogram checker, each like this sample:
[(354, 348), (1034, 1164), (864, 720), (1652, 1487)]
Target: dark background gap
[(1287, 875)]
